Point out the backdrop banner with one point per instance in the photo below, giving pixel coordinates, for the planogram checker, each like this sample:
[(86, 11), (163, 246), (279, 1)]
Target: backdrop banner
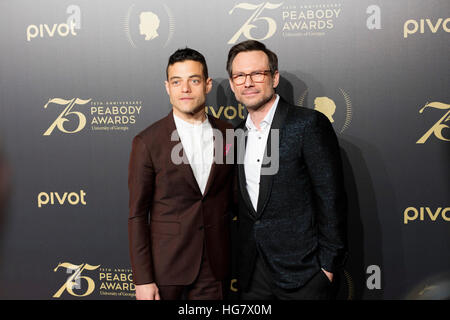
[(80, 78)]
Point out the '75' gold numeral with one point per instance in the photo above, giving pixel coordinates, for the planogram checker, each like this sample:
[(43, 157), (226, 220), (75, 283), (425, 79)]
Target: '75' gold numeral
[(59, 122), (438, 126), (75, 279)]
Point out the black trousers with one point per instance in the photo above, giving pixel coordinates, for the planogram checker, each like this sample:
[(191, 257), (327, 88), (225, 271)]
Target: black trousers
[(262, 287)]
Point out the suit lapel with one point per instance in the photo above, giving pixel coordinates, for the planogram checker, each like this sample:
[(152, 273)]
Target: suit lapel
[(265, 182), (218, 146), (241, 173), (184, 167)]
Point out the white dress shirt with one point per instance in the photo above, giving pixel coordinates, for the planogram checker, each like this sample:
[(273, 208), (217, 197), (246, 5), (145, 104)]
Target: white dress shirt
[(254, 152), (198, 145)]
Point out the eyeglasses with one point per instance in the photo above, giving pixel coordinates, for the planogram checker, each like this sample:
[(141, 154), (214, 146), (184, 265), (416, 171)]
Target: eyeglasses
[(256, 76)]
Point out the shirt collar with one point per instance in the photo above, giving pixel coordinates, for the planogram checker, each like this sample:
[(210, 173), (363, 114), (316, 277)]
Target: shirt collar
[(182, 123), (267, 121)]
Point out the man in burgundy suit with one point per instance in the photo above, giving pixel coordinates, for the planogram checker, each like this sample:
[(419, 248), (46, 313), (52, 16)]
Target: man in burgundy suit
[(180, 194)]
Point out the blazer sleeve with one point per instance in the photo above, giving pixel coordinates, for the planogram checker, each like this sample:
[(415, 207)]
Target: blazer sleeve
[(322, 156), (141, 176)]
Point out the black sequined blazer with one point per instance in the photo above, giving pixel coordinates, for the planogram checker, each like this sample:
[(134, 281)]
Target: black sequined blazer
[(299, 225)]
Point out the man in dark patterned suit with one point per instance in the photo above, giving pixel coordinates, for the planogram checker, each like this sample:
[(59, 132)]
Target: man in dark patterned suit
[(291, 217)]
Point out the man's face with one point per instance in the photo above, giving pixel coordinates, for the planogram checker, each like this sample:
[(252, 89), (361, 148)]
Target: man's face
[(253, 94), (186, 86)]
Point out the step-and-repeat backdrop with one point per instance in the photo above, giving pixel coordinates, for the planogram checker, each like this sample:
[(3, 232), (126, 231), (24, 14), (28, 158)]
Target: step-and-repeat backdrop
[(79, 79)]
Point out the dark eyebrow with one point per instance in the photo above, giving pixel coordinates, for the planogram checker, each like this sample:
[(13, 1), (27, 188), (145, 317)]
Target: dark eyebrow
[(178, 77)]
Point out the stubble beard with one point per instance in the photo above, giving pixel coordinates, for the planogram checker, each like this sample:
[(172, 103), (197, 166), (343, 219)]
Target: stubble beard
[(258, 104), (193, 110)]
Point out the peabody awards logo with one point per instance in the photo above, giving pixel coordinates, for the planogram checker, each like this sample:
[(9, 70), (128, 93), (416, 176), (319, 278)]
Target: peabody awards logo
[(338, 108), (309, 20), (77, 114), (438, 128), (86, 279), (149, 24), (265, 18)]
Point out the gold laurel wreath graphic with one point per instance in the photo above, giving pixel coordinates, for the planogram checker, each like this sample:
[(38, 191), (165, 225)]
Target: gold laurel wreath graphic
[(126, 26), (171, 24), (301, 100), (349, 115), (348, 103), (351, 287)]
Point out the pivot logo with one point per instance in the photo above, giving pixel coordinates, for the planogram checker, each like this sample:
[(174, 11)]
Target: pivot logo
[(256, 17), (424, 25), (228, 112), (61, 29), (72, 198), (412, 214)]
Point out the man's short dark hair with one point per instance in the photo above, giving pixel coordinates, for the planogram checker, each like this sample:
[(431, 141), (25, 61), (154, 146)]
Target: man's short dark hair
[(187, 54), (251, 45)]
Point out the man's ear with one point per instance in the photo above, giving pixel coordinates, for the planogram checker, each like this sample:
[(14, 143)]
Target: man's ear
[(231, 84), (208, 85), (276, 79), (166, 83)]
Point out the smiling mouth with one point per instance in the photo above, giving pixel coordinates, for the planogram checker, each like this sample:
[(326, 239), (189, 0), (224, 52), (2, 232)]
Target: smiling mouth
[(250, 93)]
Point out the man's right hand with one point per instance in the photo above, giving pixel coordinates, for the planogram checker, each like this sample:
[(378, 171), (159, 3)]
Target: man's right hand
[(147, 292)]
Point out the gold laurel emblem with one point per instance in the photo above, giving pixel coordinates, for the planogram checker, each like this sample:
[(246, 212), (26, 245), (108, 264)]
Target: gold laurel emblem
[(350, 284), (149, 23), (328, 107)]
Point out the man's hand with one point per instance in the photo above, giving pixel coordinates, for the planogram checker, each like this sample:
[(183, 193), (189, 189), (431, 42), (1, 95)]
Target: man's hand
[(328, 274), (147, 292)]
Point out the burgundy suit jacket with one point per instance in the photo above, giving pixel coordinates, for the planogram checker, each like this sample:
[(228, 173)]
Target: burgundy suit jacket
[(170, 221)]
